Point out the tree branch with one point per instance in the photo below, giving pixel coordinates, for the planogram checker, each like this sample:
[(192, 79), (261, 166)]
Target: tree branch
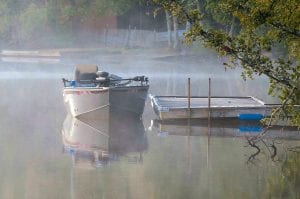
[(284, 28)]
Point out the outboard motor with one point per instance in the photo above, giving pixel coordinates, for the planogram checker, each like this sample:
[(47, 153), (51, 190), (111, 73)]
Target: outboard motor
[(102, 78), (85, 74), (102, 74)]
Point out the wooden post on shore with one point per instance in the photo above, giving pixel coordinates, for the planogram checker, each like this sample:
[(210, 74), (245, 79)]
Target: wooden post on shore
[(105, 35), (127, 42)]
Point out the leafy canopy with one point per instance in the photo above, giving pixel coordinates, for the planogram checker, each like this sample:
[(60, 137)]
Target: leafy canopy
[(264, 24)]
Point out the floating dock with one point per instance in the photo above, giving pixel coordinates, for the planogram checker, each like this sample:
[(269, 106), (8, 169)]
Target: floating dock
[(182, 107), (36, 53), (41, 56)]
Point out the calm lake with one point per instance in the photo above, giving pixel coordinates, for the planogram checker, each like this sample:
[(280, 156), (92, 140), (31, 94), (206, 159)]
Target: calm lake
[(146, 158)]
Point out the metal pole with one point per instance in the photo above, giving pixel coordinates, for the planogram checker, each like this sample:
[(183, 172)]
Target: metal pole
[(189, 96), (208, 127), (189, 108), (209, 96)]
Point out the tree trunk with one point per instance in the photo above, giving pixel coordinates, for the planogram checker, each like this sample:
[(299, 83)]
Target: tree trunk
[(232, 30), (169, 22), (176, 45), (201, 7), (187, 26)]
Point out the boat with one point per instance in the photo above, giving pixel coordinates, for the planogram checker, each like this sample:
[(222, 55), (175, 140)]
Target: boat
[(97, 92)]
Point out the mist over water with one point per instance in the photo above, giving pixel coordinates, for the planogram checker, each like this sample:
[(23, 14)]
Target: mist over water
[(148, 163), (46, 153)]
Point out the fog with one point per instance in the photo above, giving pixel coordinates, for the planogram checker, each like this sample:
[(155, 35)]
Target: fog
[(146, 161)]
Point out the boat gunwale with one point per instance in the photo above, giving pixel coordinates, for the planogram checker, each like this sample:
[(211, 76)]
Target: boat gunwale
[(100, 89), (135, 86), (103, 88)]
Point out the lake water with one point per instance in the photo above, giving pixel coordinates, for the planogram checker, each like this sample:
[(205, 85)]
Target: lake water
[(147, 159)]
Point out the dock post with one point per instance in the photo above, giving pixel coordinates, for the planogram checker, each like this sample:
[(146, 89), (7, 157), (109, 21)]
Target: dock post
[(208, 123), (209, 96), (209, 103), (189, 96)]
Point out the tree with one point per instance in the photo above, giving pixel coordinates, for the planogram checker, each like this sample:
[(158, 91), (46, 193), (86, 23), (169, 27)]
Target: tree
[(264, 24), (169, 29), (115, 7), (22, 20)]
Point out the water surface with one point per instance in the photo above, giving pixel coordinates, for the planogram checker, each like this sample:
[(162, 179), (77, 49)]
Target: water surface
[(147, 161)]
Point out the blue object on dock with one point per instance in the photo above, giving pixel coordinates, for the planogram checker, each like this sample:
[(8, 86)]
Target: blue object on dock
[(73, 83), (69, 150), (250, 129), (251, 116)]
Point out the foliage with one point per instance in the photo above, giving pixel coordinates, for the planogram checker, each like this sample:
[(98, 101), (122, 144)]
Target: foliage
[(116, 7), (216, 12), (263, 24), (277, 20)]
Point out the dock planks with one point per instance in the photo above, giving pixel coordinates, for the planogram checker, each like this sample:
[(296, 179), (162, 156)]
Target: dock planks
[(176, 107)]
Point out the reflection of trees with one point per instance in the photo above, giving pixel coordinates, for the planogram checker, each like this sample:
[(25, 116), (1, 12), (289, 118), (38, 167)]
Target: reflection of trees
[(286, 182), (254, 145), (260, 145), (269, 142)]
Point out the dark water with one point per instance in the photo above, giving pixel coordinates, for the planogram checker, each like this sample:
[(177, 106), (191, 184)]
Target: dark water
[(149, 160)]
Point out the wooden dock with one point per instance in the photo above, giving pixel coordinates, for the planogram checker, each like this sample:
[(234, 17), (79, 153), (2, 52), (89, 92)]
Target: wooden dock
[(181, 107)]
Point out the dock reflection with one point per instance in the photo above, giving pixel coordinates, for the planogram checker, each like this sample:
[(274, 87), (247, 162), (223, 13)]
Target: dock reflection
[(96, 142), (221, 128)]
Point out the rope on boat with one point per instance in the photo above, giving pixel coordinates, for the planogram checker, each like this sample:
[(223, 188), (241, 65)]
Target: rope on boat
[(92, 110)]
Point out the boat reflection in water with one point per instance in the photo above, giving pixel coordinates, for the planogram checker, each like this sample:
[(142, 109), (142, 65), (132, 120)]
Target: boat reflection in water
[(95, 142), (222, 128)]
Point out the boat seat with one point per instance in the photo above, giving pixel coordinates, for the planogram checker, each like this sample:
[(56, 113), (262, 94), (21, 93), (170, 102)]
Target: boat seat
[(85, 72)]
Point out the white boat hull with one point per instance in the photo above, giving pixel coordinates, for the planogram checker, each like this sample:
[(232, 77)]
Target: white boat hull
[(88, 102), (80, 101)]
